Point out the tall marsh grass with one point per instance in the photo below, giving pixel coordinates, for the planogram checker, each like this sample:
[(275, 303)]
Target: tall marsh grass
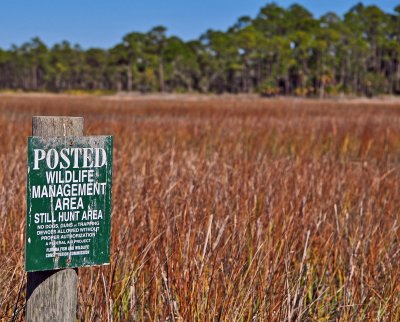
[(227, 209)]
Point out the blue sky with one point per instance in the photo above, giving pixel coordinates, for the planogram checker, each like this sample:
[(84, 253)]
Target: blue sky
[(102, 23)]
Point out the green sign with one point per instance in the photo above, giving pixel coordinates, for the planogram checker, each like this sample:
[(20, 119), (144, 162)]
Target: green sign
[(68, 202)]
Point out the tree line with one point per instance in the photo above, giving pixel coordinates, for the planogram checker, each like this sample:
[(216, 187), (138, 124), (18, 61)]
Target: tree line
[(281, 51)]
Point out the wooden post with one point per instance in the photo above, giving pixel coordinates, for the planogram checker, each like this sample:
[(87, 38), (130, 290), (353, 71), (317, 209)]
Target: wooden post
[(52, 295)]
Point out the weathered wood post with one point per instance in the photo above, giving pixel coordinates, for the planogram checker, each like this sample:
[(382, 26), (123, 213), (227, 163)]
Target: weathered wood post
[(68, 219), (52, 294)]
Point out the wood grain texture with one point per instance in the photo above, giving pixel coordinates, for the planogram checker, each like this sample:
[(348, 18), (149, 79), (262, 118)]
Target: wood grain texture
[(52, 295), (48, 126)]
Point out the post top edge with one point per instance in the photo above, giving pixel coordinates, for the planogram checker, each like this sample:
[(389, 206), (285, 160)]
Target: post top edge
[(52, 117)]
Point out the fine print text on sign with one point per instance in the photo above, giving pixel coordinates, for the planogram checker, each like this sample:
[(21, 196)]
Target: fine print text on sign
[(68, 202)]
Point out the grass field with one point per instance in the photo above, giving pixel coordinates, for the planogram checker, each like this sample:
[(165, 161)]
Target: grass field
[(227, 209)]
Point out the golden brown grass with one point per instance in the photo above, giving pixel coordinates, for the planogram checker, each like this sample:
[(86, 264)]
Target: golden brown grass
[(227, 209)]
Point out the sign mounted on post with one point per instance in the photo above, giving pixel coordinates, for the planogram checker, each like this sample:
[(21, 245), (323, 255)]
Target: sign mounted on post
[(68, 202)]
